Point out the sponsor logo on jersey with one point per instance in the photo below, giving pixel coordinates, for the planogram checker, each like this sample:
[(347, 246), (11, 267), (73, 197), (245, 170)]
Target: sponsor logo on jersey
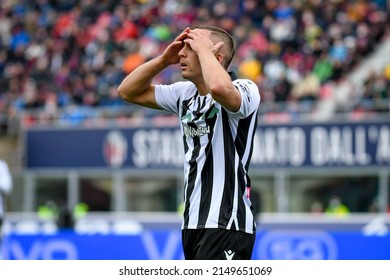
[(191, 132)]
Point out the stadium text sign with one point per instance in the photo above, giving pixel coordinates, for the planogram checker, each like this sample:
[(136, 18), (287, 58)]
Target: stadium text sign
[(327, 145), (275, 146)]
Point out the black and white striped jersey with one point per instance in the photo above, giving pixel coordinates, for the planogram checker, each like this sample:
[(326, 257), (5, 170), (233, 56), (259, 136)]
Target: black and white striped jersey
[(217, 150)]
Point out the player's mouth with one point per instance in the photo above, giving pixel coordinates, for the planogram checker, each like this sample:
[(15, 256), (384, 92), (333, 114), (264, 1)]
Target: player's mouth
[(183, 66)]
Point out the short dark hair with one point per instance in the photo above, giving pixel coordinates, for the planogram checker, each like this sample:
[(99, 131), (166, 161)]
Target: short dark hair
[(225, 37)]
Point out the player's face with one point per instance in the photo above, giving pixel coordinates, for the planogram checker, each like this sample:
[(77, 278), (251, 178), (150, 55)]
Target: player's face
[(189, 63)]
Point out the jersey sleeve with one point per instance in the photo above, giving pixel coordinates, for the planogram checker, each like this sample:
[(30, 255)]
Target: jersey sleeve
[(167, 97), (250, 97)]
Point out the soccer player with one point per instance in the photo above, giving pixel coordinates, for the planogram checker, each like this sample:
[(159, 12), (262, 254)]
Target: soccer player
[(218, 118)]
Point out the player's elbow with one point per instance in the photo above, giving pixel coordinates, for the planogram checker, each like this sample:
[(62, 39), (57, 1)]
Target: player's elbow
[(221, 91), (121, 91), (124, 93), (228, 96), (218, 90)]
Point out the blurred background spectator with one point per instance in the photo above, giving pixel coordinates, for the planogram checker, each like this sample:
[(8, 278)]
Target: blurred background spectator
[(336, 207)]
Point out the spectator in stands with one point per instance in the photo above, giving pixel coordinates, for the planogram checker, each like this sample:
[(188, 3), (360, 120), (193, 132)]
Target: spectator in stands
[(323, 67), (316, 207), (336, 207), (77, 47)]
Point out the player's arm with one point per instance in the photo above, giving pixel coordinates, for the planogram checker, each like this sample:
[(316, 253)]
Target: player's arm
[(137, 87), (215, 76)]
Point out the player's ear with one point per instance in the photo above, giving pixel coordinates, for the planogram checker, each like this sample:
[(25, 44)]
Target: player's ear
[(217, 51), (219, 57), (217, 47)]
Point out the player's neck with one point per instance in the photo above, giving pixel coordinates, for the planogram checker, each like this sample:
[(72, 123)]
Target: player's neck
[(202, 89)]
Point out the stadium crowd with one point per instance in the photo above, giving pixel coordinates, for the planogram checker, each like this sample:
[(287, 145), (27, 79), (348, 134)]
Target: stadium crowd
[(64, 59)]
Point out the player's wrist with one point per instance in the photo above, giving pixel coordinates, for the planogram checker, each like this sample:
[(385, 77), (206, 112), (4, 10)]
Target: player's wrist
[(162, 62)]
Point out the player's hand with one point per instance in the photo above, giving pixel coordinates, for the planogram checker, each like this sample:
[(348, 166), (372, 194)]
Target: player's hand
[(199, 41), (171, 53)]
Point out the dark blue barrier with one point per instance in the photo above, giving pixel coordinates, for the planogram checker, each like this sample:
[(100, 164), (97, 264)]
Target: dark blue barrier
[(272, 244), (319, 145)]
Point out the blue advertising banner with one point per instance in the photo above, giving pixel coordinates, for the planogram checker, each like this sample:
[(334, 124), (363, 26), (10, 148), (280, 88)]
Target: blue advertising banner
[(166, 245), (275, 146)]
